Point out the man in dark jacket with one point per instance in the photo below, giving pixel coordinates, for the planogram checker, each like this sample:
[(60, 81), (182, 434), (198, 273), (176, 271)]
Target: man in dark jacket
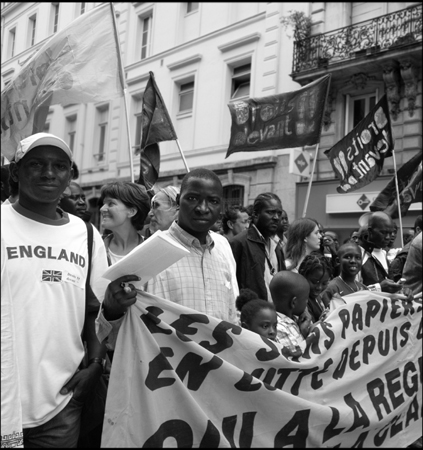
[(397, 266), (374, 269), (256, 251)]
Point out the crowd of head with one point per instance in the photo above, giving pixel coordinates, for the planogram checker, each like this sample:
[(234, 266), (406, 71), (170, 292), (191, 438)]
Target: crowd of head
[(252, 266)]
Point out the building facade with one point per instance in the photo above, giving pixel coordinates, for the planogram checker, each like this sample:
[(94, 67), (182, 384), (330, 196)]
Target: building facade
[(206, 55), (370, 49)]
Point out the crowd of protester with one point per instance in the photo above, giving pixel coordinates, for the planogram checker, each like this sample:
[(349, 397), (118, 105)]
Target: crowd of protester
[(253, 266)]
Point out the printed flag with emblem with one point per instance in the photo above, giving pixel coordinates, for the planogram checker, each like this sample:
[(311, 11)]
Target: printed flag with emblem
[(291, 119), (156, 127), (52, 275), (79, 64)]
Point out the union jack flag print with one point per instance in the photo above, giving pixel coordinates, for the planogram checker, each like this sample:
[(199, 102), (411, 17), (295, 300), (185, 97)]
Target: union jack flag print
[(52, 275)]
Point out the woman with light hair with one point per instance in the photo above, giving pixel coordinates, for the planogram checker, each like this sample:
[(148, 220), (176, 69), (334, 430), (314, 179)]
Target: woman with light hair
[(164, 209)]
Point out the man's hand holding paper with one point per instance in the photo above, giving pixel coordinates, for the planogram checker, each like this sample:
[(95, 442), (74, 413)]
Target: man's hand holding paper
[(118, 298)]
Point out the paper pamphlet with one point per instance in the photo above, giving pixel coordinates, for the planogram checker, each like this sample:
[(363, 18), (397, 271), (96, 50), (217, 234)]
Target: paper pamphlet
[(148, 259)]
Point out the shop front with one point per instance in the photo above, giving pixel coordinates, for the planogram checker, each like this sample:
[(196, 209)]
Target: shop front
[(341, 212)]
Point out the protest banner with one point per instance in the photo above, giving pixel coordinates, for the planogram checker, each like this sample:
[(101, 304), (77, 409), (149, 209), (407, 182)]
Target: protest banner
[(184, 379), (358, 158), (156, 127), (291, 119), (79, 64), (410, 189)]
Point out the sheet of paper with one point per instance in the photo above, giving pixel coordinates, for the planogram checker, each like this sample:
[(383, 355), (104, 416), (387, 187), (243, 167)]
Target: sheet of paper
[(148, 259)]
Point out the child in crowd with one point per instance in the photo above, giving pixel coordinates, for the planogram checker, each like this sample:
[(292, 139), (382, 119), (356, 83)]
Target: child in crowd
[(350, 259), (317, 271), (257, 315), (290, 293)]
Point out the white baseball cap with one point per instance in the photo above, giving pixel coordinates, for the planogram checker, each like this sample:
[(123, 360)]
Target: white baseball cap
[(38, 139)]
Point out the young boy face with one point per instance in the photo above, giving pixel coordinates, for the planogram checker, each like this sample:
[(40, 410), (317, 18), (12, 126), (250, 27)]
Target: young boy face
[(350, 260), (264, 323)]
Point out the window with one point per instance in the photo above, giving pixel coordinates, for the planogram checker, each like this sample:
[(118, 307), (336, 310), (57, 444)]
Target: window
[(54, 17), (233, 195), (82, 8), (357, 109), (32, 26), (186, 96), (192, 6), (241, 81), (12, 41), (137, 108), (102, 125), (71, 131), (145, 36)]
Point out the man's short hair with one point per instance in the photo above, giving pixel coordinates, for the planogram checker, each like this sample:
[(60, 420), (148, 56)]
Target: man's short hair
[(261, 201), (231, 213), (203, 173)]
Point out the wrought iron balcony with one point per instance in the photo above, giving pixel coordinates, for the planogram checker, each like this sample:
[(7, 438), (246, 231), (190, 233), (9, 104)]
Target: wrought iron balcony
[(372, 36)]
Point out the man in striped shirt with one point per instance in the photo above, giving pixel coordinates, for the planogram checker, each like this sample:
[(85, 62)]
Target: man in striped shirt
[(202, 280)]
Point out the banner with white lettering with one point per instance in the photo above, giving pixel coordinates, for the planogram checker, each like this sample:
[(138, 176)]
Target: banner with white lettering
[(184, 379), (291, 119), (358, 158)]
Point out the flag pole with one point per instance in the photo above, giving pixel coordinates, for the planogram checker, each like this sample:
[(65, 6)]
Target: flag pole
[(125, 102), (317, 148), (398, 198), (311, 180), (183, 157)]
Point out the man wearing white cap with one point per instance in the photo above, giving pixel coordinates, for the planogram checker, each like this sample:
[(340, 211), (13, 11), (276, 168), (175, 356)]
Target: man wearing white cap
[(47, 265)]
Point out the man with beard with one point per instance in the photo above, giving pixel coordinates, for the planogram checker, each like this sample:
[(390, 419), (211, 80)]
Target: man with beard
[(256, 251)]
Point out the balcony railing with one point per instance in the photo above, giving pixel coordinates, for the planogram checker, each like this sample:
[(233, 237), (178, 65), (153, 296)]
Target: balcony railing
[(372, 36)]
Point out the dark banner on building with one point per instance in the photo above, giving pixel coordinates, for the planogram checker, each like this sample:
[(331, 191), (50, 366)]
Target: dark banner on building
[(292, 119), (358, 158)]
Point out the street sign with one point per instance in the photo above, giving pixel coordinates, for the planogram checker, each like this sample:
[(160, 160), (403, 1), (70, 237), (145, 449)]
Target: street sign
[(299, 162)]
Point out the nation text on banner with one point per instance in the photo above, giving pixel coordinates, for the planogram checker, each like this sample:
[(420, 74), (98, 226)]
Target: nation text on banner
[(292, 119), (358, 158), (184, 379), (79, 64)]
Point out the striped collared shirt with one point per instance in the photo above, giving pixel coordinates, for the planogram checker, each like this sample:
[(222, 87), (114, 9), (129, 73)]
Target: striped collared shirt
[(201, 280), (288, 332)]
